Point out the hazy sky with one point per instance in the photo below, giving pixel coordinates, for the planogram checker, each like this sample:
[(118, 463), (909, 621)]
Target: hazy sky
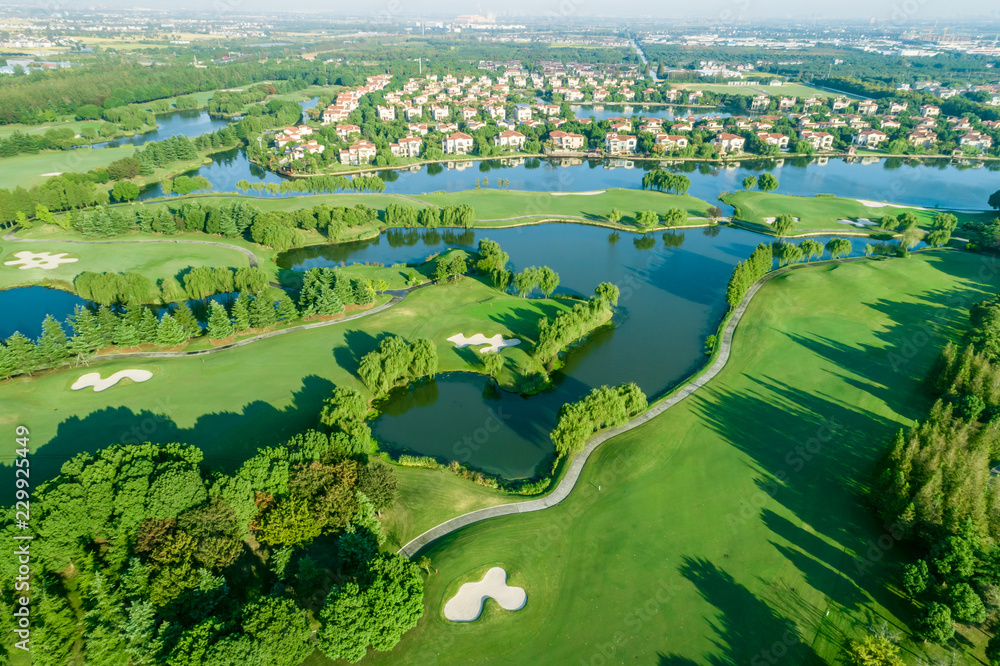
[(902, 12)]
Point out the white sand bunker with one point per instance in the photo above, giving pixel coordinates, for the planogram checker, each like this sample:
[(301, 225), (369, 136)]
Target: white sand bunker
[(27, 259), (52, 173), (468, 603), (881, 204), (571, 194), (494, 344), (94, 379)]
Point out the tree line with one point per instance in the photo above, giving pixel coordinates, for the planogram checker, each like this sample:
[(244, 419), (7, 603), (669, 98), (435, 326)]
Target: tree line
[(555, 333), (129, 323), (603, 407), (935, 488), (396, 362), (747, 272)]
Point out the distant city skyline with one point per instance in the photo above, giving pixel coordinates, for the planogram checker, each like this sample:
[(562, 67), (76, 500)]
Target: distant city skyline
[(897, 11)]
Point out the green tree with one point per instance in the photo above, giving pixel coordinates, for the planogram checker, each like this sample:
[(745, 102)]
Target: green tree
[(170, 333), (994, 200), (262, 313), (783, 225), (219, 324), (548, 280), (52, 347), (749, 182), (838, 247), (125, 191), (241, 313), (286, 308), (873, 651), (915, 577), (492, 363), (614, 216), (279, 631), (767, 182), (936, 625)]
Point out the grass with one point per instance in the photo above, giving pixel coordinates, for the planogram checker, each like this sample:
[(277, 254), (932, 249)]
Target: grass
[(154, 260), (821, 213), (754, 88), (229, 404), (27, 170), (731, 529)]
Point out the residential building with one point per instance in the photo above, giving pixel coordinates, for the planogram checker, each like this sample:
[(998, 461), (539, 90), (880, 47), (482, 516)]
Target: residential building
[(617, 144), (729, 143), (567, 140), (510, 139), (457, 143)]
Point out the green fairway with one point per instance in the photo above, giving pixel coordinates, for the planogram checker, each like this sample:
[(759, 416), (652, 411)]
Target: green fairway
[(29, 170), (731, 529), (756, 88), (232, 402), (503, 206), (823, 213), (154, 260)]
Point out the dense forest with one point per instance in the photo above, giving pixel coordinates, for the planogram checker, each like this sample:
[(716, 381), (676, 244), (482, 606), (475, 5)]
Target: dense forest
[(936, 489), (143, 556)]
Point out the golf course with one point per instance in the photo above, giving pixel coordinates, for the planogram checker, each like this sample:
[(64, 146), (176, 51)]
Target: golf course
[(733, 527)]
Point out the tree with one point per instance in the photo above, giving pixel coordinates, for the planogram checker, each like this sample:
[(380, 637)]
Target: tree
[(749, 182), (838, 247), (262, 312), (170, 333), (783, 225), (548, 280), (279, 631), (994, 200), (936, 625), (125, 191), (767, 182), (614, 216), (492, 363), (286, 308), (966, 606), (811, 248), (241, 313), (873, 651), (915, 577), (647, 218), (675, 217), (51, 349), (219, 325)]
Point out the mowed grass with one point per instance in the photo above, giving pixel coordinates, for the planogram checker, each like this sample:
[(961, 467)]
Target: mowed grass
[(230, 403), (154, 260), (504, 205), (731, 529), (27, 170), (824, 213), (755, 88)]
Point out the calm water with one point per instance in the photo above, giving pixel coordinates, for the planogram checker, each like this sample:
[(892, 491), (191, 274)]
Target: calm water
[(24, 308), (190, 123), (672, 298), (606, 111)]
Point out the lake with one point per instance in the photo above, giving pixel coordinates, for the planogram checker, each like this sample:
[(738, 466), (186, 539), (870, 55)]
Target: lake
[(673, 296)]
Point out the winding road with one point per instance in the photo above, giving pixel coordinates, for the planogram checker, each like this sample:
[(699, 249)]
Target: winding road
[(568, 481)]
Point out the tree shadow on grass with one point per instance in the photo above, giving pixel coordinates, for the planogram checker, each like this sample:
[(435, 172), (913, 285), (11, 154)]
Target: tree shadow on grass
[(748, 630), (226, 438)]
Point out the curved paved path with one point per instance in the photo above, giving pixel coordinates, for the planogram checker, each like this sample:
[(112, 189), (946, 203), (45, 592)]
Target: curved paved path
[(569, 480)]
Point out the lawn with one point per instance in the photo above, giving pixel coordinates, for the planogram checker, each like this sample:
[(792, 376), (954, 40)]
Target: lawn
[(230, 403), (731, 529), (29, 170), (755, 88), (505, 206), (821, 212), (154, 260)]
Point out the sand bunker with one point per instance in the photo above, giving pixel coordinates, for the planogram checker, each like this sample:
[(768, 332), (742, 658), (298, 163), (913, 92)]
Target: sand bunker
[(494, 344), (52, 173), (860, 222), (770, 220), (468, 603), (880, 204), (94, 379), (568, 194), (45, 260)]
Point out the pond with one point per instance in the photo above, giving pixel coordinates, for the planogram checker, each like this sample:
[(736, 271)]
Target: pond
[(23, 309), (190, 123), (606, 111), (672, 298)]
